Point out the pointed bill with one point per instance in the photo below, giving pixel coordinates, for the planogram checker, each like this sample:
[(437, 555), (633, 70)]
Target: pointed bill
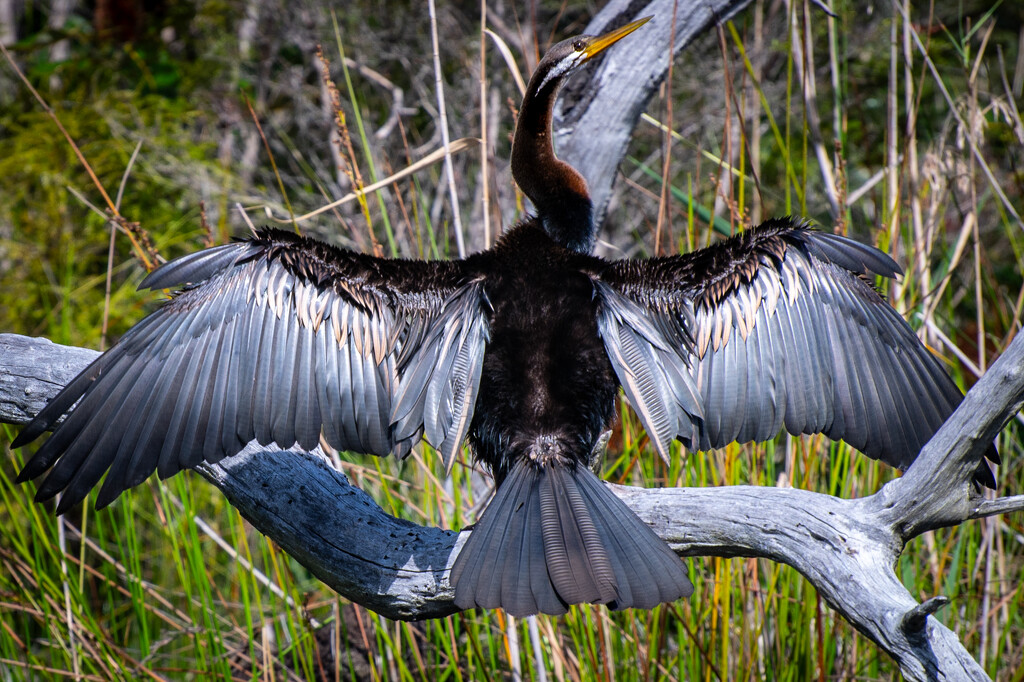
[(608, 39)]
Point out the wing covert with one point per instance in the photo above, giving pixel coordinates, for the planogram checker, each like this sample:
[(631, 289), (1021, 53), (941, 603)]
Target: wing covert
[(441, 376), (646, 360)]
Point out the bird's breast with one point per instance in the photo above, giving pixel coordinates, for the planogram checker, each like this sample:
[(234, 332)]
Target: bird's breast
[(545, 372)]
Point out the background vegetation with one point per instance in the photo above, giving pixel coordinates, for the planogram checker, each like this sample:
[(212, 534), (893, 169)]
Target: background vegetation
[(200, 117)]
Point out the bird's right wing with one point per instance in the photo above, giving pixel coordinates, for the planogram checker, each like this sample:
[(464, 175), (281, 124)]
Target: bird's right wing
[(277, 338), (776, 327)]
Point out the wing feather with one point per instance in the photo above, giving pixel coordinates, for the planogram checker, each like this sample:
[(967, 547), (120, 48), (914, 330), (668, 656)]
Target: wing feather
[(168, 461), (234, 386), (156, 421), (144, 393), (664, 396), (307, 410), (197, 422), (438, 383), (271, 348), (754, 416)]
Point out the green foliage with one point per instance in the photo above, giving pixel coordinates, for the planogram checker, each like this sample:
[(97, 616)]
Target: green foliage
[(171, 582)]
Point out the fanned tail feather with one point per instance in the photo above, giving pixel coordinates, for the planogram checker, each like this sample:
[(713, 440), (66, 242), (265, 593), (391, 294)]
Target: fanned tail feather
[(553, 536)]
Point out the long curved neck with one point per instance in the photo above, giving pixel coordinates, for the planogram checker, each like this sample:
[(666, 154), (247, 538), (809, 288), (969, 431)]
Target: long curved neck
[(557, 190)]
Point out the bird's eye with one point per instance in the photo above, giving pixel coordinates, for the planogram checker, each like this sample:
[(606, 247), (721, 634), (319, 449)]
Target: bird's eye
[(579, 45)]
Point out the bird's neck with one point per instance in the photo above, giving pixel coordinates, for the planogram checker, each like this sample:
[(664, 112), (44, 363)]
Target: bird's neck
[(557, 190)]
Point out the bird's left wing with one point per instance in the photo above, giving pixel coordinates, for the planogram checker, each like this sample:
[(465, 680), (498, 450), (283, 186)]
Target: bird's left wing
[(776, 327), (277, 338)]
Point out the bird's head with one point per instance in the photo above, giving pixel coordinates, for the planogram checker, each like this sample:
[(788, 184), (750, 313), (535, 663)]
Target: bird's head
[(565, 57)]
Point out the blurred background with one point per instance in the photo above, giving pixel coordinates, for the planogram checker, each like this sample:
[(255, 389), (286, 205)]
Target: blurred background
[(188, 121)]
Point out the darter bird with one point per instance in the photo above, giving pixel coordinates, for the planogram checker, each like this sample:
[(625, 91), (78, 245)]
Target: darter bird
[(521, 349)]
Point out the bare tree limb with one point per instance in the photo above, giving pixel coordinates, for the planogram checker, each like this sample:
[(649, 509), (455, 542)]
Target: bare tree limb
[(846, 548)]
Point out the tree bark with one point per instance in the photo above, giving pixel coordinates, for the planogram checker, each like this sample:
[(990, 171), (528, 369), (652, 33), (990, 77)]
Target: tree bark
[(846, 548)]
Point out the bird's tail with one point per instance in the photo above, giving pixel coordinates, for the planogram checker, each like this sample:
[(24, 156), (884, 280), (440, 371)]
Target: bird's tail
[(554, 535)]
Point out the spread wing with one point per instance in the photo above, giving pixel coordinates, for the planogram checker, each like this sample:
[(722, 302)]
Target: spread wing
[(278, 338), (776, 327)]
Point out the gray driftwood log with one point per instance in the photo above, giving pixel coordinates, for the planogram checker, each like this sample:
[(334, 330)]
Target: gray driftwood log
[(846, 548)]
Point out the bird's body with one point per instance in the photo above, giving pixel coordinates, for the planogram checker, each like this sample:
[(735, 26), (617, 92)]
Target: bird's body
[(545, 373), (520, 349), (556, 535)]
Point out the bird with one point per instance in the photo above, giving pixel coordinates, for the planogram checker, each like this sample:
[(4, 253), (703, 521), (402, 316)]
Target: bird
[(519, 350)]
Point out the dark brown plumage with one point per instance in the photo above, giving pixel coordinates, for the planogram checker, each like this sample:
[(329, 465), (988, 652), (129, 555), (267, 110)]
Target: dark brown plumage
[(521, 349)]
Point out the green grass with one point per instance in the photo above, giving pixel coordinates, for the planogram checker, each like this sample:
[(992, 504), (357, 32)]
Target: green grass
[(170, 582)]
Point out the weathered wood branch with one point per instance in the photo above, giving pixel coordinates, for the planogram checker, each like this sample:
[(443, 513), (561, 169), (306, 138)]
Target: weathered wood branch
[(846, 548)]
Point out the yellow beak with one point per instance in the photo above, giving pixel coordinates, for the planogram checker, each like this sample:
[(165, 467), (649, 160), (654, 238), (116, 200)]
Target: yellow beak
[(613, 37)]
